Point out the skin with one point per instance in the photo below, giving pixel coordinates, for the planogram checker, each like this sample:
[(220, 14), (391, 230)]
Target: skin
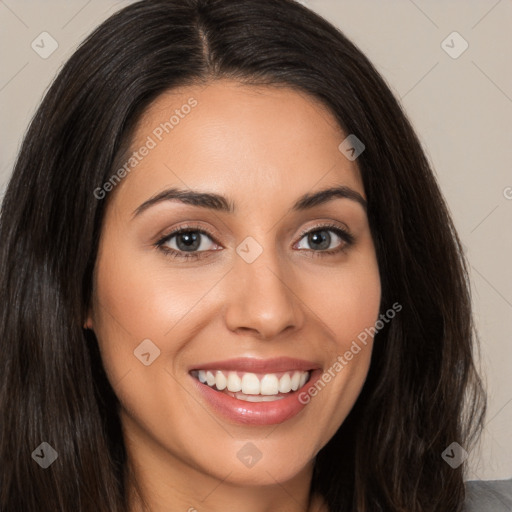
[(262, 147)]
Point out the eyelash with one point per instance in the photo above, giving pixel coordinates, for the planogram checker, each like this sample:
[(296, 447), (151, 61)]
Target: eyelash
[(343, 234)]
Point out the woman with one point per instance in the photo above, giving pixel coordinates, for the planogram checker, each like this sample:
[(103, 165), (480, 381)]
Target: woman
[(173, 337)]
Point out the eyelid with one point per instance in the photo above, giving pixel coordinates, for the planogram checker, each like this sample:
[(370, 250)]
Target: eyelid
[(186, 228), (328, 225)]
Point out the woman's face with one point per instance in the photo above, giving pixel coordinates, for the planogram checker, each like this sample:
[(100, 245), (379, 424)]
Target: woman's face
[(272, 293)]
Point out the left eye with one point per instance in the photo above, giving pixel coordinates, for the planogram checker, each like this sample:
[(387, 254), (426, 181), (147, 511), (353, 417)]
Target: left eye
[(321, 239)]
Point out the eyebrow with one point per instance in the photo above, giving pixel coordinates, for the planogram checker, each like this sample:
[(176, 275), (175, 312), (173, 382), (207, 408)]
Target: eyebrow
[(220, 203)]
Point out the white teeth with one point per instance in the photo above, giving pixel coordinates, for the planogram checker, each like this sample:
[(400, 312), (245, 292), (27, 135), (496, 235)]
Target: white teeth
[(285, 384), (220, 381), (295, 381), (250, 387), (234, 382), (250, 384), (210, 379), (269, 385)]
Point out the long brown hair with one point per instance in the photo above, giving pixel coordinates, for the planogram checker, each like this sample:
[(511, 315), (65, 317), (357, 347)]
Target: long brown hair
[(422, 391)]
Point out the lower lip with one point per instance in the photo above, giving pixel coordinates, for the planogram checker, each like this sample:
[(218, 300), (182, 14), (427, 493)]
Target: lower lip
[(256, 413)]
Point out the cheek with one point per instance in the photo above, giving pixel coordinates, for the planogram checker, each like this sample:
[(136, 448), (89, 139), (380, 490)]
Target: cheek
[(141, 298), (138, 297), (350, 305), (124, 314), (346, 298), (349, 308)]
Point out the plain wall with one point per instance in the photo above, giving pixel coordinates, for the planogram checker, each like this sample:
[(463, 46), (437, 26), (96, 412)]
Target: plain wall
[(460, 107)]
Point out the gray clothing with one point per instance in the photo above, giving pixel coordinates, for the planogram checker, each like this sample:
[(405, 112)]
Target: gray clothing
[(489, 496)]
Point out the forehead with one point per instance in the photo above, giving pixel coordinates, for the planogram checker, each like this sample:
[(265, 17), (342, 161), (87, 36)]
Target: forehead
[(241, 140)]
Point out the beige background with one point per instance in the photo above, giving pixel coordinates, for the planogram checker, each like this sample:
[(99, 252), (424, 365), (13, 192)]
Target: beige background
[(461, 108)]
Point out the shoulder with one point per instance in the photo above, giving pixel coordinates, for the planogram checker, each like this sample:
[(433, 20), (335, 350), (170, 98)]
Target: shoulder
[(488, 496)]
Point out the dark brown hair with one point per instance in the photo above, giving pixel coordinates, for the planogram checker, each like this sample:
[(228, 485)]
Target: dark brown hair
[(422, 392)]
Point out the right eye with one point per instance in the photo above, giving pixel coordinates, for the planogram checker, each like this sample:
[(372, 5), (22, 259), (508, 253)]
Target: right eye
[(187, 242)]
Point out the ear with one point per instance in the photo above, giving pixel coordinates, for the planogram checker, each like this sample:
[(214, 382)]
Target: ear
[(88, 321)]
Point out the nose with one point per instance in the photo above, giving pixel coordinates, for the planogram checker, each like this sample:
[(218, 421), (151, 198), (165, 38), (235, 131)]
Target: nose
[(261, 297)]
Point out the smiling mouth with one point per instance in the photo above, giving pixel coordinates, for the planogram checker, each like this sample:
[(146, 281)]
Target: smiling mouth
[(253, 387)]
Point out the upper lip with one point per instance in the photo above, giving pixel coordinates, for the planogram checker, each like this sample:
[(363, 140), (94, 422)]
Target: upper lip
[(255, 365)]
